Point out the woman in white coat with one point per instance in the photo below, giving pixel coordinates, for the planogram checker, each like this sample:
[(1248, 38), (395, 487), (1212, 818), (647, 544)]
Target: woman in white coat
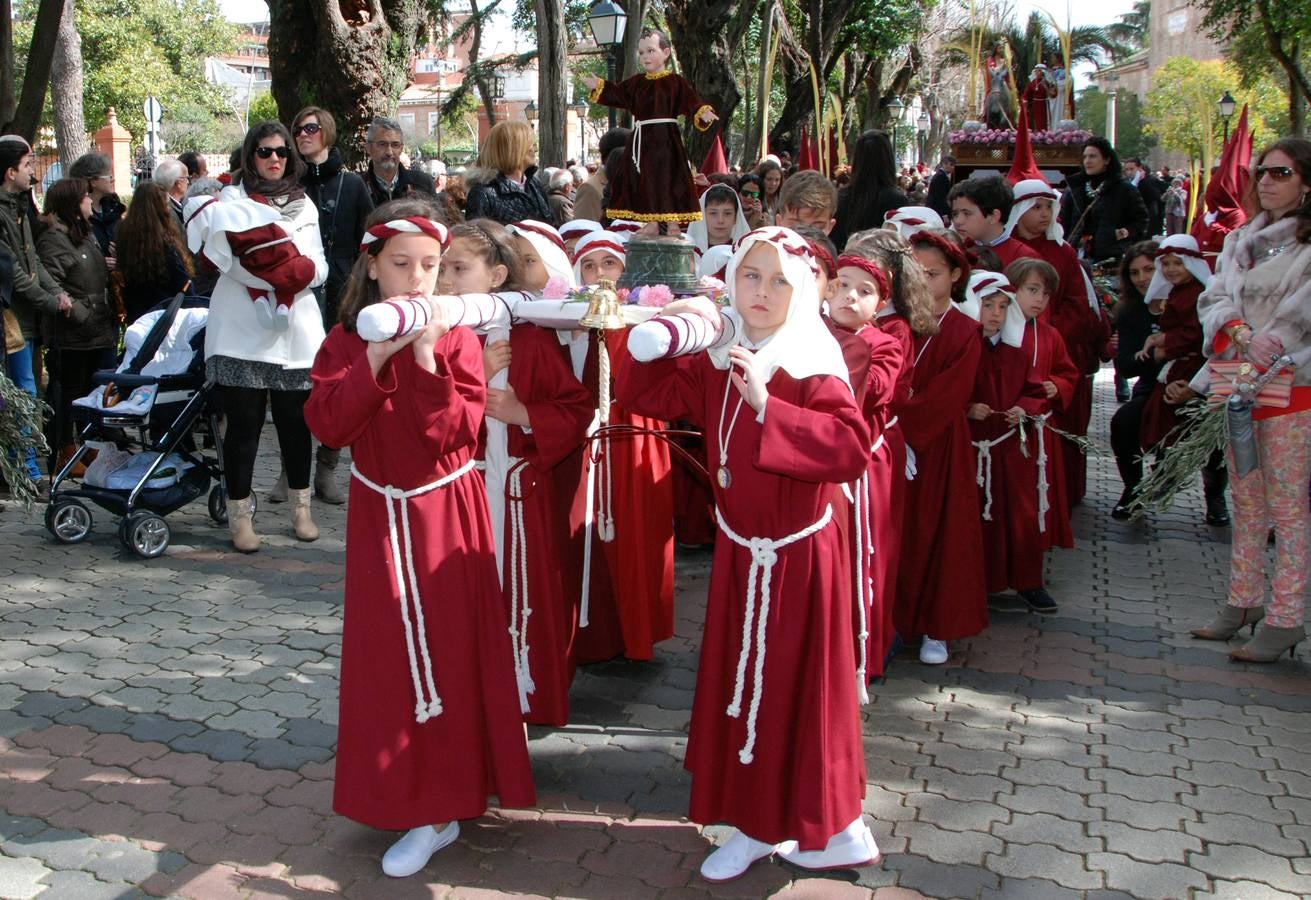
[(256, 358)]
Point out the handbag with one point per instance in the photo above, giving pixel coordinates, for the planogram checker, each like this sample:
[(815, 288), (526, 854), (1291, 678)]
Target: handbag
[(1277, 393), (14, 340)]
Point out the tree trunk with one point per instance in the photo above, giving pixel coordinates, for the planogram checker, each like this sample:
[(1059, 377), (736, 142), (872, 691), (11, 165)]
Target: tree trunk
[(475, 50), (40, 57), (708, 67), (552, 82), (66, 90), (351, 57), (751, 150), (7, 100)]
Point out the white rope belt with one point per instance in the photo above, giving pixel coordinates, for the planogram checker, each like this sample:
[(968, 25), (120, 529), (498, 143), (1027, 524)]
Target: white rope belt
[(764, 554), (407, 584), (637, 138), (520, 611), (1044, 503), (983, 470)]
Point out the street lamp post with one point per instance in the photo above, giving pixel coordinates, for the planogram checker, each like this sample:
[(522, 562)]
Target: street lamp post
[(607, 20), (1227, 106), (896, 109), (1112, 82), (922, 129), (530, 112)]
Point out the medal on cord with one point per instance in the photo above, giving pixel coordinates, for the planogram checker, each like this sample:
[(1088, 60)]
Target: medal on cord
[(722, 475)]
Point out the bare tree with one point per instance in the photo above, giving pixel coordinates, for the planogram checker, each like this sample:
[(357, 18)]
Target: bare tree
[(351, 57), (24, 116), (66, 89), (552, 82)]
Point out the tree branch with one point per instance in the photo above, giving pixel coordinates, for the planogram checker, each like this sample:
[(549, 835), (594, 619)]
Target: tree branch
[(40, 58)]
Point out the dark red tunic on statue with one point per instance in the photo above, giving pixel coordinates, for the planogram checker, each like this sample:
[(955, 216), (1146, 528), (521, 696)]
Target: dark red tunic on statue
[(940, 577), (409, 428), (1036, 93), (1085, 333), (654, 183), (1182, 352), (559, 408), (807, 777), (634, 484)]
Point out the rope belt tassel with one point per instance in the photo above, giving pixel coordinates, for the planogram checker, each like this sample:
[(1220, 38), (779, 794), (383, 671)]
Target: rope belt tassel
[(520, 611), (764, 554), (427, 701)]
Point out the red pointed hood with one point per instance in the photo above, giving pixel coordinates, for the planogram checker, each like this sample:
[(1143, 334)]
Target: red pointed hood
[(1023, 167), (805, 152), (715, 162)]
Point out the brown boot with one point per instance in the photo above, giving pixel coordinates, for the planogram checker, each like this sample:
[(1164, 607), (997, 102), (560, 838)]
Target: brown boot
[(325, 476), (244, 538), (67, 452), (278, 493), (304, 525)]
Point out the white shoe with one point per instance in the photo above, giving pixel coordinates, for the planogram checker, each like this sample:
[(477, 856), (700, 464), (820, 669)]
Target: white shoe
[(412, 852), (933, 653), (734, 857), (850, 848)]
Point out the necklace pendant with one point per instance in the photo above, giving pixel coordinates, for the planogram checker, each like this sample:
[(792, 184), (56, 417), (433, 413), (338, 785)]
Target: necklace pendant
[(724, 477)]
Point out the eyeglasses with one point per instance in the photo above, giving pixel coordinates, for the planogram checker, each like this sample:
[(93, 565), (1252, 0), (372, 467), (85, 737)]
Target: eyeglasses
[(307, 128), (752, 195), (1276, 173), (266, 152), (389, 145)]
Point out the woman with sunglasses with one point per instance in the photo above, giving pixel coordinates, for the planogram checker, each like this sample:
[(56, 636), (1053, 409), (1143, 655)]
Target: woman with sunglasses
[(253, 363), (751, 188), (1258, 308)]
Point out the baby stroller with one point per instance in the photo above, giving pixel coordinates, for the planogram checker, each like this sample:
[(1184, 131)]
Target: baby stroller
[(147, 417)]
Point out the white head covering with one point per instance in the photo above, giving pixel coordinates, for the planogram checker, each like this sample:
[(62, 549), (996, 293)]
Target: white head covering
[(579, 226), (984, 284), (603, 241), (1185, 247), (909, 219), (624, 228), (802, 346), (1027, 194), (696, 231), (714, 262), (549, 246)]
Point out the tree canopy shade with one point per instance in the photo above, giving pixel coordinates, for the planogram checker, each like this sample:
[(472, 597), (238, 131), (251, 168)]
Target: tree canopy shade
[(1131, 136), (23, 117), (1260, 30), (1183, 112)]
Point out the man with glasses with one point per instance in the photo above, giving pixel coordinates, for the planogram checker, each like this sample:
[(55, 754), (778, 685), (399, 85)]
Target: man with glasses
[(387, 179), (172, 176)]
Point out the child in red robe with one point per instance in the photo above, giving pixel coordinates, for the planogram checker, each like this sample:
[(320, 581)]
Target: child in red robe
[(979, 210), (940, 580), (775, 746), (429, 722), (654, 183)]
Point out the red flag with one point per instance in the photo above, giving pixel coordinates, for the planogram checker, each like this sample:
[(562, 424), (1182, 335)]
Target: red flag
[(833, 160), (806, 152), (715, 162), (1225, 192), (1023, 166)]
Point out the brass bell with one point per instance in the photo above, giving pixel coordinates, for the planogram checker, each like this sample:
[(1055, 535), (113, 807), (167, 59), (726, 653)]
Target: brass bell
[(603, 312)]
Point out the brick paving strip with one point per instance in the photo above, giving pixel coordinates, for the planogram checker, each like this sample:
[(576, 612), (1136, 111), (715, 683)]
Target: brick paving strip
[(167, 729)]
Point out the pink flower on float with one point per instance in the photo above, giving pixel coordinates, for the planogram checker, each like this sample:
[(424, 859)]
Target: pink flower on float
[(623, 294), (556, 289), (657, 295), (713, 285)]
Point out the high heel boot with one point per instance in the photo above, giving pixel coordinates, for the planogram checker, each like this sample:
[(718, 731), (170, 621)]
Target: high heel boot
[(1270, 644), (1229, 621)]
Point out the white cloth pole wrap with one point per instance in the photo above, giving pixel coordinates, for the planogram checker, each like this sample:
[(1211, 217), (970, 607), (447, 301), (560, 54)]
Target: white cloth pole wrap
[(605, 522), (680, 334), (637, 138), (764, 554), (390, 319), (407, 584), (520, 611), (864, 593)]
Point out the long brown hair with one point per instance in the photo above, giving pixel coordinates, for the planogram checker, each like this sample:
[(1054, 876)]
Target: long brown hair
[(494, 247), (147, 232), (64, 205), (911, 297), (1130, 298), (1299, 151), (361, 290)]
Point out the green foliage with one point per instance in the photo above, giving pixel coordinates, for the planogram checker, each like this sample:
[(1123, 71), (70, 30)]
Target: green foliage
[(1131, 136), (134, 48), (263, 108), (1182, 111), (1134, 28)]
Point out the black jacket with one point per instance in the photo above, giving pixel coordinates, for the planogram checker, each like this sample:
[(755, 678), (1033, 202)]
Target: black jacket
[(344, 204), (493, 196), (80, 271), (1092, 218), (939, 188), (140, 296), (104, 220), (408, 181), (847, 224), (1134, 324)]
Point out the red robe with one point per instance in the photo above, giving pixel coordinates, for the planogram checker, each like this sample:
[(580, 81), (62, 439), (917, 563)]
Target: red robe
[(1182, 352), (1085, 334), (887, 362), (1036, 93), (694, 504), (637, 612), (559, 408), (940, 578), (1052, 364), (663, 190), (889, 468), (807, 777), (1012, 249), (409, 428)]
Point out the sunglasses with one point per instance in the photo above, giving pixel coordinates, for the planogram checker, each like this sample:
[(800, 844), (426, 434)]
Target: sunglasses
[(754, 195), (266, 152), (1277, 173), (307, 128)]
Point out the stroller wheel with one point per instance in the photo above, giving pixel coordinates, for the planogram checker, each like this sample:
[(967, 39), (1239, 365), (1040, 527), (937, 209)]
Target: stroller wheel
[(218, 504), (68, 520), (144, 533)]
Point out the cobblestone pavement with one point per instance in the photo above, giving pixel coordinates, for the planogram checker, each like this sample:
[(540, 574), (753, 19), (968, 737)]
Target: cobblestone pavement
[(167, 729)]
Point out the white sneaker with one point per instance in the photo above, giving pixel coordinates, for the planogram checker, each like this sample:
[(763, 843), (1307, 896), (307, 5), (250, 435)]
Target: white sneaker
[(734, 857), (850, 848), (412, 852), (933, 653)]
